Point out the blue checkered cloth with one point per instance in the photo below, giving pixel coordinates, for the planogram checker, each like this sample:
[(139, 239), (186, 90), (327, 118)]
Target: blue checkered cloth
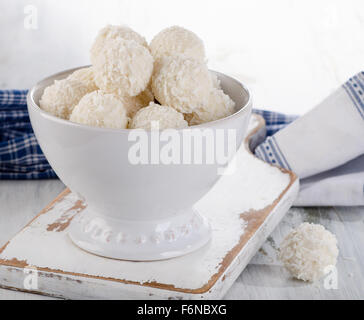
[(20, 154), (275, 121)]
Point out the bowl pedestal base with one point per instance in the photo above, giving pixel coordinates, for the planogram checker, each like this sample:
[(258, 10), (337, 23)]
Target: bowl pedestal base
[(139, 240)]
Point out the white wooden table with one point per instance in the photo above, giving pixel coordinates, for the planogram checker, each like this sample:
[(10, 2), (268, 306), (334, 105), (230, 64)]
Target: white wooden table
[(292, 54), (264, 278)]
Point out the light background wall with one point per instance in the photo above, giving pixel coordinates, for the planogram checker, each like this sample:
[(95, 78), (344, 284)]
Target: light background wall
[(290, 53)]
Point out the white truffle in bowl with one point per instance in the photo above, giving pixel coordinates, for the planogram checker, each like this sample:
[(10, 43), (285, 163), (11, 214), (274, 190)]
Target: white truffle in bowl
[(123, 67), (60, 98), (182, 83), (133, 104), (113, 32), (166, 117), (220, 106), (308, 250), (177, 40), (100, 109), (86, 76)]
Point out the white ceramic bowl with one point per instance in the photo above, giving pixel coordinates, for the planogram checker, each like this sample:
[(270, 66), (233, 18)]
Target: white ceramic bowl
[(134, 212)]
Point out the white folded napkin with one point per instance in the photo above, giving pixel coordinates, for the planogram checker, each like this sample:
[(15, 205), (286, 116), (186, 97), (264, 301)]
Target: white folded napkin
[(320, 145)]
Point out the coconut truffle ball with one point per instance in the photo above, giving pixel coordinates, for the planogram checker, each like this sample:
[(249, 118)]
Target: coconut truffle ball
[(112, 32), (61, 97), (167, 117), (182, 83), (308, 250), (220, 106), (123, 67), (133, 104), (177, 40), (100, 109), (86, 76)]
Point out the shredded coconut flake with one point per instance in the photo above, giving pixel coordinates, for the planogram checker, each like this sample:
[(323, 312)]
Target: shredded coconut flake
[(182, 83), (86, 76), (100, 110), (177, 40), (166, 116), (123, 67), (61, 97)]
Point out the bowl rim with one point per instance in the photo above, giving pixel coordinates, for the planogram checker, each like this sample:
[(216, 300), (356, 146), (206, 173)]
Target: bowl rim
[(32, 104)]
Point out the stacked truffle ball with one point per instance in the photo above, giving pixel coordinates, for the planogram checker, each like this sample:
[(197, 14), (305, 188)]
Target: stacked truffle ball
[(132, 85)]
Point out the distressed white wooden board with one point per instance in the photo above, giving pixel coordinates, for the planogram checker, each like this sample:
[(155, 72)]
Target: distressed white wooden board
[(257, 192)]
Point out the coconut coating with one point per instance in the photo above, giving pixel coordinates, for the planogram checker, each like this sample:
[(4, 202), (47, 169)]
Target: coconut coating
[(113, 32), (86, 76), (133, 104), (177, 40), (308, 250), (61, 97), (166, 116), (220, 106), (123, 67), (100, 109), (182, 83)]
